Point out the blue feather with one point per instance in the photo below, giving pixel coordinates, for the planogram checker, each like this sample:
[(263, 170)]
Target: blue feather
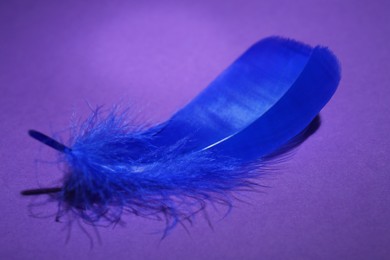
[(258, 109)]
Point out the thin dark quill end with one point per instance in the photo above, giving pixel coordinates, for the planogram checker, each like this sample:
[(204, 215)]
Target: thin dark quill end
[(40, 191), (49, 141)]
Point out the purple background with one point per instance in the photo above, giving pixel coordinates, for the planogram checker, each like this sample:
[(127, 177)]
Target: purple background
[(330, 201)]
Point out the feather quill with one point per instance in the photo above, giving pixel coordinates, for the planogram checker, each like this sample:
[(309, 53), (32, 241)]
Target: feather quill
[(262, 106)]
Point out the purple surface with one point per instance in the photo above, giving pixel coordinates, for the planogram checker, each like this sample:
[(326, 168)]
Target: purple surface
[(330, 201)]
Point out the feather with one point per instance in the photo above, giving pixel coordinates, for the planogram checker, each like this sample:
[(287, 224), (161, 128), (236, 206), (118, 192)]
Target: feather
[(261, 107)]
